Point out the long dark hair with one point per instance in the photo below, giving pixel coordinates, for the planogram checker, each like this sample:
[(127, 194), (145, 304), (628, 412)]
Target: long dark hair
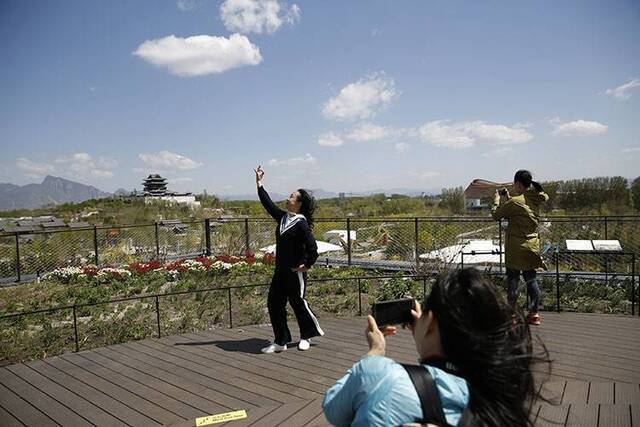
[(525, 178), (308, 205), (489, 348)]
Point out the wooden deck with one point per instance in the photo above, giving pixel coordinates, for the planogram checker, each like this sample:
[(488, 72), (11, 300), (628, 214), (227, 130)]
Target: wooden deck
[(173, 380)]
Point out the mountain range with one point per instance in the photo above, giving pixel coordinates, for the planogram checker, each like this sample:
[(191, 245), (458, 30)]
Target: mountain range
[(323, 194), (55, 191), (52, 191)]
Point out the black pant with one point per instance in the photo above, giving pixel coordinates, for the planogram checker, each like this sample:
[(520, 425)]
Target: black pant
[(291, 286)]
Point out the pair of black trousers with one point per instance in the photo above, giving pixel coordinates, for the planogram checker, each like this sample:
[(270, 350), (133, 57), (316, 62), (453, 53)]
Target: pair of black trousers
[(290, 286)]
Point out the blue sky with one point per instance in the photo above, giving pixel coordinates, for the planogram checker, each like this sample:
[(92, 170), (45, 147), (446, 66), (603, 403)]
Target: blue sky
[(339, 95)]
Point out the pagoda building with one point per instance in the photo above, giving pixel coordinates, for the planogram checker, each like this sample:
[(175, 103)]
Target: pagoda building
[(155, 190), (155, 185)]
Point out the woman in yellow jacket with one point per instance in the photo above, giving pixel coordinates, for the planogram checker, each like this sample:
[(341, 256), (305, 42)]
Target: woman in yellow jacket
[(522, 245)]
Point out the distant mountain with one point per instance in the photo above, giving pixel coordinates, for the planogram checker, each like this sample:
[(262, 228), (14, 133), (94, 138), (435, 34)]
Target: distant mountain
[(52, 190), (122, 192), (274, 196), (323, 194)]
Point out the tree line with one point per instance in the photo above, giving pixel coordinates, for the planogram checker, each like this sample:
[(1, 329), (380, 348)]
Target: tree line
[(600, 195)]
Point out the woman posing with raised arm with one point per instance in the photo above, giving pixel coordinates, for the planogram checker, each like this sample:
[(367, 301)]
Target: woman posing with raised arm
[(296, 251), (522, 244)]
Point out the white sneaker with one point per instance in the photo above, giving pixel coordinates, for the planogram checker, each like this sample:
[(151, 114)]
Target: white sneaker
[(273, 348), (304, 345)]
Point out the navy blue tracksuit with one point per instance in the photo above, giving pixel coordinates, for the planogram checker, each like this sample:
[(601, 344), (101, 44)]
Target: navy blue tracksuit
[(295, 245)]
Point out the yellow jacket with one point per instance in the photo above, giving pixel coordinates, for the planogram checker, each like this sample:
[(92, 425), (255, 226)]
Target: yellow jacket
[(522, 245)]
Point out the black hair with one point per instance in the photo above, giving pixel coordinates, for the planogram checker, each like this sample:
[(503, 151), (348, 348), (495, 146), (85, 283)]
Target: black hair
[(489, 348), (307, 206), (525, 178)]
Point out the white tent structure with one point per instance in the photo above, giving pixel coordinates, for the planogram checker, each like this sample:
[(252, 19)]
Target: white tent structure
[(323, 247), (453, 254), (339, 236)]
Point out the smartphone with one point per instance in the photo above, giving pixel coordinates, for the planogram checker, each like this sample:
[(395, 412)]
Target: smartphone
[(395, 312)]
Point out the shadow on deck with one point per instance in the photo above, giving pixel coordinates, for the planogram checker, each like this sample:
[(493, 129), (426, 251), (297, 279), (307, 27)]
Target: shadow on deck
[(173, 380)]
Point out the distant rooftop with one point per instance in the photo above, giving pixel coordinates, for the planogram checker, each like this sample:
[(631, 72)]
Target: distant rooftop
[(42, 223)]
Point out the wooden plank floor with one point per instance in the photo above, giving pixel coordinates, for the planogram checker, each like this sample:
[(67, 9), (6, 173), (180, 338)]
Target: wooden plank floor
[(595, 377)]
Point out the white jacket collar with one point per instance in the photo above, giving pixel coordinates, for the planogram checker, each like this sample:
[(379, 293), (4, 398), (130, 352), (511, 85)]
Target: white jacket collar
[(289, 221)]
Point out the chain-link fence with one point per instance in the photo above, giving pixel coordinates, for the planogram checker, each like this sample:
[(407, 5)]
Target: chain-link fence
[(383, 243)]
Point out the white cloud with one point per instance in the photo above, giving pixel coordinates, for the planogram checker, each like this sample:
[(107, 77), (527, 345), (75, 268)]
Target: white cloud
[(167, 161), (79, 165), (577, 128), (307, 159), (445, 133), (631, 150), (34, 169), (84, 166), (199, 55), (623, 91), (402, 147), (186, 5), (362, 99), (257, 16), (330, 139), (369, 132), (441, 134)]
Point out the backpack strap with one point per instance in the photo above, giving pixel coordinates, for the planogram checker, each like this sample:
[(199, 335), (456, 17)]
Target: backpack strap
[(427, 390)]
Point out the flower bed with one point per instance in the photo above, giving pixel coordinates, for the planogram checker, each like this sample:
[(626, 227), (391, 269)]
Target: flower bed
[(172, 270)]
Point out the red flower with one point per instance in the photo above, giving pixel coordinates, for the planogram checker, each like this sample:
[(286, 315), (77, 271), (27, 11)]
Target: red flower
[(142, 268), (229, 259), (205, 261), (269, 258), (90, 270)]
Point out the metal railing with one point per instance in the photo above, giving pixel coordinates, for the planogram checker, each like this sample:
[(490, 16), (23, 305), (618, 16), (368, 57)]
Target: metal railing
[(383, 243), (605, 277), (228, 289), (158, 297)]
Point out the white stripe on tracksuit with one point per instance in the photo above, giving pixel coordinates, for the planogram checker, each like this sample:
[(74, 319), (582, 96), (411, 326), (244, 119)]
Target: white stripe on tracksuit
[(306, 306)]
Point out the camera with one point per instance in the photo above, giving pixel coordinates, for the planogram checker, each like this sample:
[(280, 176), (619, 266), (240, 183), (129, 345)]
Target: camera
[(503, 192), (395, 312)]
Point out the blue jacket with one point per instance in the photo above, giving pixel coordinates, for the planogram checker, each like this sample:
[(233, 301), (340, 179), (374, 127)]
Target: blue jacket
[(377, 391)]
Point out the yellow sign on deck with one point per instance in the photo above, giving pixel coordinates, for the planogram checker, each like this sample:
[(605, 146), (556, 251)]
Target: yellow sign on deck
[(221, 418)]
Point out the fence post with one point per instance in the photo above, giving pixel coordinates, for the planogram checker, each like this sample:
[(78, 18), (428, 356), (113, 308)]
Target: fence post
[(157, 241), (606, 228), (633, 284), (424, 288), (247, 244), (500, 242), (417, 242), (207, 236), (557, 281), (462, 260), (75, 329), (95, 244), (359, 298), (348, 241), (18, 256), (230, 312), (158, 315)]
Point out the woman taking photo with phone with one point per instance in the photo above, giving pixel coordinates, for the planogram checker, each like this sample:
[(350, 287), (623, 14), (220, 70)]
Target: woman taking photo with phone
[(522, 244), (296, 252), (468, 346)]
